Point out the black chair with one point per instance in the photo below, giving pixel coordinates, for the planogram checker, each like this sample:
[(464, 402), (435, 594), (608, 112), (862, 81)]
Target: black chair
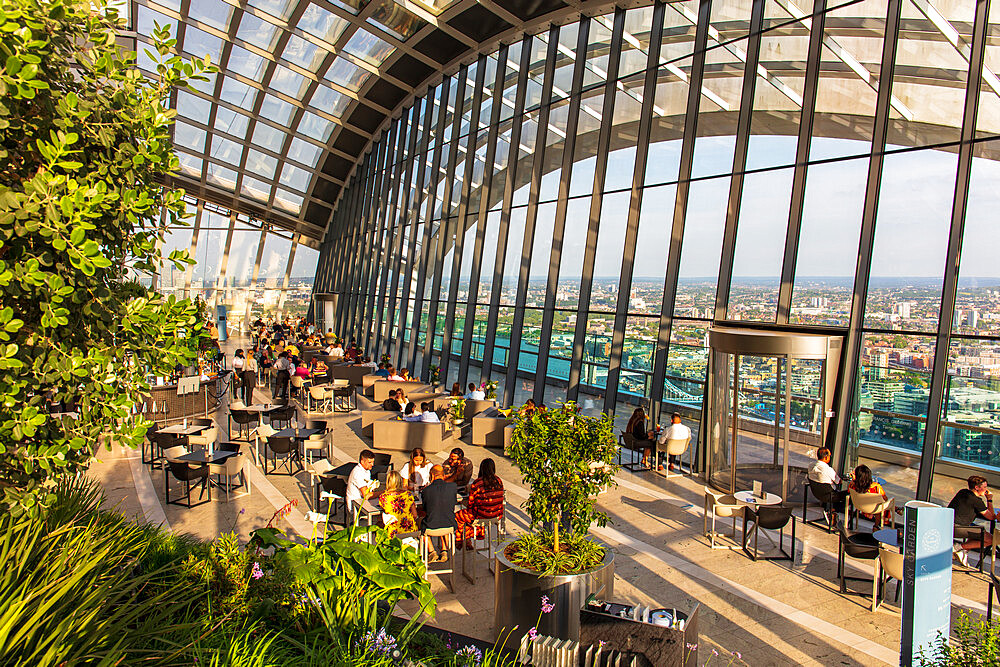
[(149, 444), (162, 441), (337, 487), (288, 449), (823, 493), (963, 533), (862, 546), (383, 460), (283, 415), (187, 474), (994, 590), (321, 425), (348, 401), (627, 441), (243, 418), (228, 447), (770, 517), (203, 421)]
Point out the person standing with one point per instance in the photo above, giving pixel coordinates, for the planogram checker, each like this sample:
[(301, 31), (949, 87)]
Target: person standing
[(283, 366), (249, 378)]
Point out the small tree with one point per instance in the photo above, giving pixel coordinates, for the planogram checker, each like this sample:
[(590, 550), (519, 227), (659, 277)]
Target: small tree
[(84, 140), (566, 459)]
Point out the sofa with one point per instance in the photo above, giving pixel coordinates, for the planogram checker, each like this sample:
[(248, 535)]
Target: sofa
[(398, 435), (350, 372), (381, 388), (489, 429)]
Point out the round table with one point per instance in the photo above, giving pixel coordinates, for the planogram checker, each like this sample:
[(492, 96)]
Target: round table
[(889, 537), (747, 498)]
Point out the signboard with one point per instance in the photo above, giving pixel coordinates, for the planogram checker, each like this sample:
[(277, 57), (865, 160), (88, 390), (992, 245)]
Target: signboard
[(926, 578), (221, 313)]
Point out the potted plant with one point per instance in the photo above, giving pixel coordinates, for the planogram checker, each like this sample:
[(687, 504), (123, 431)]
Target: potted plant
[(435, 375), (489, 387), (458, 411), (566, 459)]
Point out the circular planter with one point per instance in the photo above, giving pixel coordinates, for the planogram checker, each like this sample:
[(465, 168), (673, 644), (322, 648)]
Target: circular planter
[(518, 593)]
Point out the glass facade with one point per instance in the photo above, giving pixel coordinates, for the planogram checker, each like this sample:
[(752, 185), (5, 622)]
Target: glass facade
[(569, 214)]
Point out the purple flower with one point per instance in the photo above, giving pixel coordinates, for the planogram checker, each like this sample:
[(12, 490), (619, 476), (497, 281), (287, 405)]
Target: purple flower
[(468, 656), (546, 605), (256, 572), (243, 511), (601, 643), (532, 633), (381, 642)]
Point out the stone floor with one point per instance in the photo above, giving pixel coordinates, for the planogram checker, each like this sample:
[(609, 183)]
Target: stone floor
[(772, 613)]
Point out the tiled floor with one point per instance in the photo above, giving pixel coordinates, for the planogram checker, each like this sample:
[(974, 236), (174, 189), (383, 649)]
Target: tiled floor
[(772, 613)]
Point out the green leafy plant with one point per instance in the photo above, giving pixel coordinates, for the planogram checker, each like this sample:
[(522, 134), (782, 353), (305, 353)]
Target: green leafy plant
[(458, 409), (350, 578), (566, 459), (975, 642), (435, 373), (84, 140)]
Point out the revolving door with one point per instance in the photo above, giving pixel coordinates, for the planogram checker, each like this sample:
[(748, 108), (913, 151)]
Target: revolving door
[(770, 397)]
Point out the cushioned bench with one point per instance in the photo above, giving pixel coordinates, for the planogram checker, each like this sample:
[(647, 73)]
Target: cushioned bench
[(489, 428), (398, 435)]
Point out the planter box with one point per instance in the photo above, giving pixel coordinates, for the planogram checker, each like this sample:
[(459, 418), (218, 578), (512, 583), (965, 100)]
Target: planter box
[(518, 593)]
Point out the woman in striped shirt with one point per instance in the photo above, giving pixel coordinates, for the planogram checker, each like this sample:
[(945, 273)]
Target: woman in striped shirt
[(485, 501)]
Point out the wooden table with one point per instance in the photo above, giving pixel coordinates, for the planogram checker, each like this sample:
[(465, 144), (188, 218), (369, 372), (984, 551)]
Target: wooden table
[(180, 429)]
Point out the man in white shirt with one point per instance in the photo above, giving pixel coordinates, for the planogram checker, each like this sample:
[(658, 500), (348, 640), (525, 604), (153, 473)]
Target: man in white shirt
[(822, 473), (676, 431), (336, 351), (428, 415), (475, 394), (359, 483)]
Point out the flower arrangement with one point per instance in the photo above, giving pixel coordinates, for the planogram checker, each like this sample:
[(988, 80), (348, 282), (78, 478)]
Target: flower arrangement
[(386, 359), (489, 387)]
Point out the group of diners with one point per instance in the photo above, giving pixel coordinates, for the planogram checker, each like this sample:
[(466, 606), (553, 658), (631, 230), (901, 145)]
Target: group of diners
[(647, 438), (973, 506), (410, 411), (424, 496)]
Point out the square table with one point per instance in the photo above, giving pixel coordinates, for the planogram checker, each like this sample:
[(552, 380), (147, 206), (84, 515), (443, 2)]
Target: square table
[(202, 457), (180, 429), (303, 433)]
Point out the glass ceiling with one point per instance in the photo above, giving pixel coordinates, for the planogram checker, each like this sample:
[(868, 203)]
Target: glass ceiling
[(289, 72)]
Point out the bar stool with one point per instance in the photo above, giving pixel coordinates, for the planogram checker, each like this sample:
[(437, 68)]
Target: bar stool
[(440, 532), (491, 537)]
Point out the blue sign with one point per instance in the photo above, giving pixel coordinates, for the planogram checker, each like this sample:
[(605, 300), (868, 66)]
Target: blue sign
[(927, 558), (221, 311)]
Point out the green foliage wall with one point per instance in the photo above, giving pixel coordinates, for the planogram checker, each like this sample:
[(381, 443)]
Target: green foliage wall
[(83, 141)]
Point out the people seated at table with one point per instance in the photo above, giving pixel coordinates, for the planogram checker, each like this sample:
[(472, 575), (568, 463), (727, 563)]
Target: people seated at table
[(440, 498), (475, 393), (456, 390), (336, 351), (676, 431), (411, 413), (302, 370), (401, 397), (369, 363), (864, 482), (973, 507), (359, 482), (317, 367), (528, 408), (822, 473), (636, 427), (397, 502), (382, 371), (391, 404), (405, 374), (485, 501), (293, 350), (394, 376), (457, 468), (427, 413), (417, 471)]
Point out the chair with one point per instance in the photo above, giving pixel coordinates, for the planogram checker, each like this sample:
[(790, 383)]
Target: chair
[(872, 503), (770, 517), (963, 533), (231, 468), (242, 418), (149, 444), (296, 383), (283, 415), (185, 473), (318, 442), (861, 546), (346, 394), (890, 563), (430, 533), (317, 470), (627, 441), (323, 397), (823, 493), (238, 404), (203, 421), (492, 530), (288, 449), (722, 506), (207, 437), (334, 490), (262, 432), (675, 448)]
